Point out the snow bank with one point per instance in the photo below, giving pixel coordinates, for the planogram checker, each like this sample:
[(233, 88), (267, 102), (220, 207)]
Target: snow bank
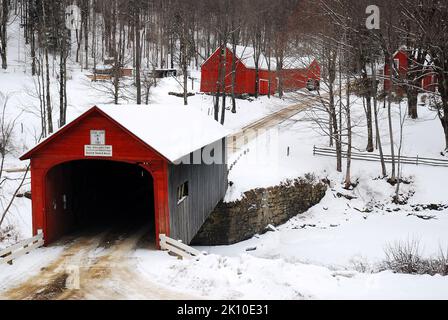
[(248, 277), (27, 266)]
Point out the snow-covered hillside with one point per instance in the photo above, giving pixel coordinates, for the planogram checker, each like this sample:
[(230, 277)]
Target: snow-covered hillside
[(336, 249)]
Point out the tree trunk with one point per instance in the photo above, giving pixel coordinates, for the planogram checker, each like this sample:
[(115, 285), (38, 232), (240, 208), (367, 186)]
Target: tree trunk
[(3, 34), (33, 52), (270, 77), (400, 145), (443, 113), (48, 96), (234, 44), (391, 138), (370, 146), (41, 88), (148, 89), (185, 67), (378, 140), (86, 37), (117, 63), (280, 77), (219, 84), (412, 103), (62, 77), (78, 43), (222, 81), (332, 110), (257, 81), (138, 80), (223, 109), (330, 130), (377, 126), (445, 129), (348, 181), (439, 53)]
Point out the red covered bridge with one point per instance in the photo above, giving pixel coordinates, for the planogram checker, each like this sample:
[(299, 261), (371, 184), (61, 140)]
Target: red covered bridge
[(297, 73), (120, 164)]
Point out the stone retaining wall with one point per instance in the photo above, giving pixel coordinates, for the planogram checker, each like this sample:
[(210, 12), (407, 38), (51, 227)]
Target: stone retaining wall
[(241, 220)]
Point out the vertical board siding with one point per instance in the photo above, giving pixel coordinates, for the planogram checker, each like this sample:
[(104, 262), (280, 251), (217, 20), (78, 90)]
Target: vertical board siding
[(207, 187)]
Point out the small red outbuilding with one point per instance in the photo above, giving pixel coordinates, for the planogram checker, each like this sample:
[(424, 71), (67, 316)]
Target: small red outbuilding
[(297, 73), (122, 163), (429, 82)]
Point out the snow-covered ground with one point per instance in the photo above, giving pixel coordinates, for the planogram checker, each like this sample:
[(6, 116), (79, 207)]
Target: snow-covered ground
[(250, 277), (316, 254), (27, 266), (320, 254)]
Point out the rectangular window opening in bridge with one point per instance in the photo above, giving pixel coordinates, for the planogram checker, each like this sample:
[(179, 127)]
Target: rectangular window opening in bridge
[(182, 193)]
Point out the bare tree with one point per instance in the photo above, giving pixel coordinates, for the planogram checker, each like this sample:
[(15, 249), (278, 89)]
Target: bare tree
[(235, 32), (375, 111), (138, 52), (4, 17), (182, 31), (402, 115), (388, 39), (43, 35), (6, 148), (436, 30), (6, 131), (13, 196), (348, 181), (63, 55)]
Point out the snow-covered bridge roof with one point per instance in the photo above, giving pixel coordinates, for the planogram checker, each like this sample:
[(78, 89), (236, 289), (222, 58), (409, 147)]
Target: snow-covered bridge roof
[(172, 131)]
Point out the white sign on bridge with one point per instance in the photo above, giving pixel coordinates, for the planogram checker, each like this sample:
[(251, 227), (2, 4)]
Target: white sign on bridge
[(97, 137), (98, 151)]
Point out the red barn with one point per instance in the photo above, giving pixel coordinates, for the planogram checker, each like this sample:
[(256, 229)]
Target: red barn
[(296, 74), (121, 164), (300, 72), (428, 83)]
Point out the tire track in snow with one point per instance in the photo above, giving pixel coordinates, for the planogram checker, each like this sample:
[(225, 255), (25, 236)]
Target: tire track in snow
[(104, 273)]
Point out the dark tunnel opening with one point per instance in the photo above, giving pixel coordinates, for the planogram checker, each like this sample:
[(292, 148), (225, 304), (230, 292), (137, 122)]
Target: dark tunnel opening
[(98, 196)]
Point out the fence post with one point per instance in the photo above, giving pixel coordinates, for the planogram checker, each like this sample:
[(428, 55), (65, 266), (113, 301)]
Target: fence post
[(314, 150), (417, 159)]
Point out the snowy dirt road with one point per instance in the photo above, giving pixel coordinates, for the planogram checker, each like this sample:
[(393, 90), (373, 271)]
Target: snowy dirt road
[(94, 266), (251, 131)]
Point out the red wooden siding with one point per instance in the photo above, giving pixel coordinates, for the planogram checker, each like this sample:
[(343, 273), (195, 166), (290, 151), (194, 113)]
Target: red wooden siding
[(429, 82), (293, 79), (68, 145)]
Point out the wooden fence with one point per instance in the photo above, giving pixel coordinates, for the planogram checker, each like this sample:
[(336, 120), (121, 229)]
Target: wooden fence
[(330, 152), (8, 255), (178, 248)]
